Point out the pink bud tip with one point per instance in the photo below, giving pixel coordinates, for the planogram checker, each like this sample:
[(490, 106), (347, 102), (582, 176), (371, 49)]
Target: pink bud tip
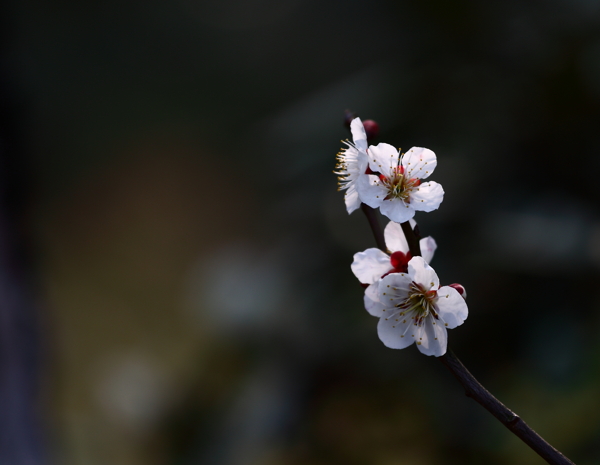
[(371, 128), (461, 290)]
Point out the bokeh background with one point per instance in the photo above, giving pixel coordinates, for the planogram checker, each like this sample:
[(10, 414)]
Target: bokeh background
[(174, 256)]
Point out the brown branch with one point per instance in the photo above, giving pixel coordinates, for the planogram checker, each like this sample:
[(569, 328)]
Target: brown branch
[(507, 417), (371, 215), (413, 241)]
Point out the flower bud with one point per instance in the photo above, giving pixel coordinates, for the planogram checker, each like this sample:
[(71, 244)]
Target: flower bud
[(399, 260), (461, 290), (371, 128)]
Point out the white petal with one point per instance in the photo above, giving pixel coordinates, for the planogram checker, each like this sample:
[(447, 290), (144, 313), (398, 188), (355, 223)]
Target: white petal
[(362, 163), (396, 210), (451, 307), (359, 136), (428, 246), (396, 331), (370, 191), (351, 164), (371, 299), (370, 265), (383, 157), (393, 289), (433, 339), (394, 238), (419, 162), (352, 199), (421, 273), (427, 197)]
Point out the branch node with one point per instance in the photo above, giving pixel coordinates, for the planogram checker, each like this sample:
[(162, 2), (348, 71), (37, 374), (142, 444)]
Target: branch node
[(514, 420)]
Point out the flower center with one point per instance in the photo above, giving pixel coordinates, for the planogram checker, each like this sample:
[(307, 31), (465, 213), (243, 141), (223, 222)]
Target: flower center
[(419, 301), (398, 185)]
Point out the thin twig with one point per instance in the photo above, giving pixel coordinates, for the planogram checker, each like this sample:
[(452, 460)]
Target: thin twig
[(507, 417), (371, 215), (413, 242)]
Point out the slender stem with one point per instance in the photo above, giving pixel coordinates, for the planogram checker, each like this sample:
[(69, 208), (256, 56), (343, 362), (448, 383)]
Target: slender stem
[(413, 241), (371, 215), (473, 388), (507, 417)]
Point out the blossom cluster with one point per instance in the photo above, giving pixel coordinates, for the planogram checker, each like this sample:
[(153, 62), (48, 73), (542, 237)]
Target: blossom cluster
[(402, 290), (382, 177)]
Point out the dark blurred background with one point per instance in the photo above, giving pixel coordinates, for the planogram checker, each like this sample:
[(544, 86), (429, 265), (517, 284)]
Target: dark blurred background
[(174, 257)]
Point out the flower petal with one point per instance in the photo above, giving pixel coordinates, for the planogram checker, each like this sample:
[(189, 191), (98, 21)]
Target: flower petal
[(421, 273), (451, 307), (359, 136), (419, 162), (370, 265), (396, 331), (433, 339), (362, 162), (351, 164), (371, 299), (428, 247), (352, 199), (369, 190), (427, 197), (394, 238), (393, 289), (383, 157), (396, 210)]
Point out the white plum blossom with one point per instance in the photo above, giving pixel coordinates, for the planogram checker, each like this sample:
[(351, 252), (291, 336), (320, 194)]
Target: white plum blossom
[(398, 190), (373, 264), (413, 308), (352, 161)]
